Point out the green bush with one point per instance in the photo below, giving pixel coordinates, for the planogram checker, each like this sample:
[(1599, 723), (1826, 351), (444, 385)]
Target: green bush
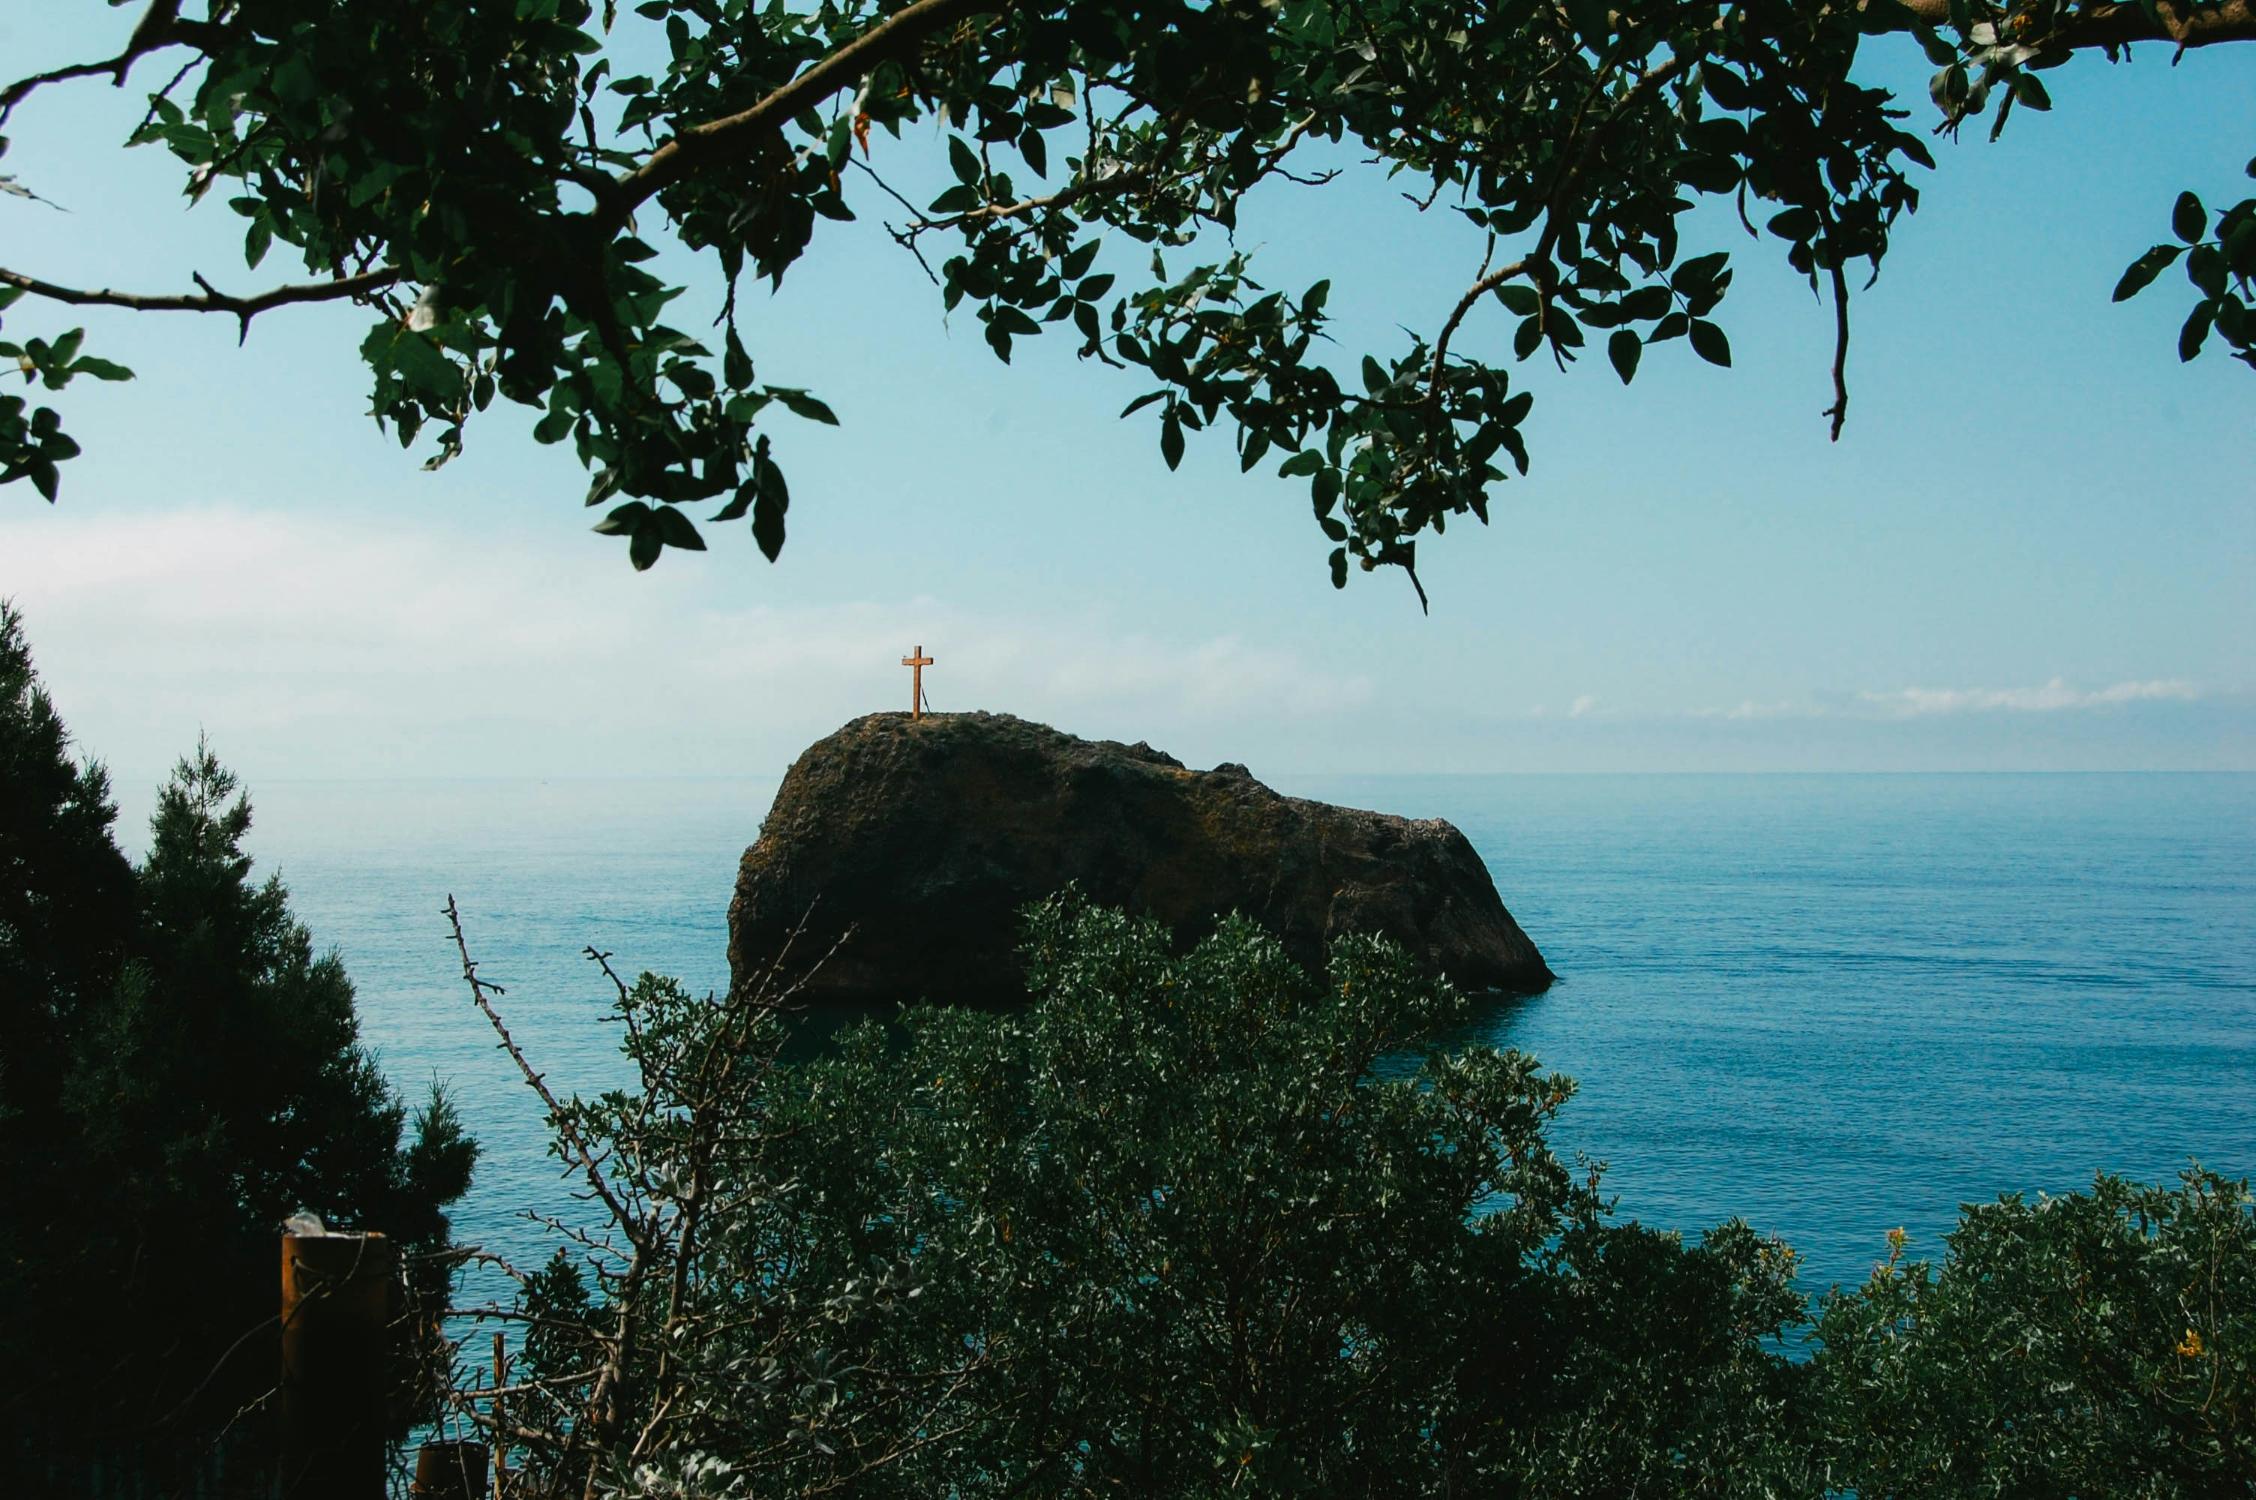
[(2102, 1343), (1168, 1231), (1161, 1233)]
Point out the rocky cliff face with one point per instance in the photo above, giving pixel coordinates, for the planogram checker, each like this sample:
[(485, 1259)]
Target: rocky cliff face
[(926, 837)]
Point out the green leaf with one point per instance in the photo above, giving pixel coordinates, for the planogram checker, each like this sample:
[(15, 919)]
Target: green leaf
[(799, 403), (643, 547), (1520, 298), (963, 159), (1171, 439), (677, 530), (2189, 219), (100, 369), (1709, 343), (2195, 333), (627, 518), (1625, 349), (767, 520), (2140, 273)]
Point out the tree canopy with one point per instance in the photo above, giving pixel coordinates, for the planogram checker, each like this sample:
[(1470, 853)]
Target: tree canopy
[(490, 179)]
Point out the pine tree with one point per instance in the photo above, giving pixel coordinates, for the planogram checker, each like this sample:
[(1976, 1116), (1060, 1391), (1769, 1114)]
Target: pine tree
[(193, 1074)]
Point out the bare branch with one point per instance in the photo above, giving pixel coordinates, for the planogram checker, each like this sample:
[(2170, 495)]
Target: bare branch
[(567, 1131), (211, 299)]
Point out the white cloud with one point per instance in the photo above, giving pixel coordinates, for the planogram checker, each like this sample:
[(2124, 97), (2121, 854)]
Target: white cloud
[(2052, 697), (330, 646), (1581, 706), (1748, 708)]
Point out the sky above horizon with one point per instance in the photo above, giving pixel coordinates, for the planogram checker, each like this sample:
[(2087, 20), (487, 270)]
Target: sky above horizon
[(2033, 549)]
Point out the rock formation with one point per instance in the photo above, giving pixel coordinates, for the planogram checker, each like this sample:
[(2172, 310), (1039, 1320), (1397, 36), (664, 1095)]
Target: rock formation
[(928, 836)]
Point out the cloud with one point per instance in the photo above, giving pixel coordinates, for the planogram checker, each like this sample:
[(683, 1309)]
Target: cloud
[(339, 646), (1749, 709), (2053, 697), (1581, 706)]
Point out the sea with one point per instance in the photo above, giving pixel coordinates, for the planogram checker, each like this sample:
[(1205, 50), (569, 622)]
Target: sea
[(1829, 1005)]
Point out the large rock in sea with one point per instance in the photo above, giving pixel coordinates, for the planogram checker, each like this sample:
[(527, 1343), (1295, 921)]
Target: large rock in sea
[(928, 836)]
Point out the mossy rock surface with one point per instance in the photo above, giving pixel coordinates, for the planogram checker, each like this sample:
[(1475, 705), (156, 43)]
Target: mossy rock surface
[(921, 840)]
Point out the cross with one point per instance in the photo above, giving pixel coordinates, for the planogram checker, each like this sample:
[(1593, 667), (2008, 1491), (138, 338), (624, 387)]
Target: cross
[(916, 665)]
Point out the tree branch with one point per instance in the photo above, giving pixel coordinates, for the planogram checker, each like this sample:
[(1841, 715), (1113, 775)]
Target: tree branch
[(732, 135), (210, 299), (2187, 25)]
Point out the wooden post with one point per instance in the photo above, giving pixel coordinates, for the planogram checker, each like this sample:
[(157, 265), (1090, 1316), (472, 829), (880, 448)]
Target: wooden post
[(336, 1364), (451, 1471)]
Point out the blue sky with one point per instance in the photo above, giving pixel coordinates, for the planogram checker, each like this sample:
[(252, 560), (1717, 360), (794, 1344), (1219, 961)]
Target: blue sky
[(2034, 548)]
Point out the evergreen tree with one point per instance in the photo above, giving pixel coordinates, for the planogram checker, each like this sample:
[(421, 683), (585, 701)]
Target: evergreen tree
[(65, 890), (201, 1079)]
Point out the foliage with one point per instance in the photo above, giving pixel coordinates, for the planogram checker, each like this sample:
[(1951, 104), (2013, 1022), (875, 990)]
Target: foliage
[(1162, 1233), (2094, 1344), (495, 179), (65, 890), (1190, 1224), (203, 1081)]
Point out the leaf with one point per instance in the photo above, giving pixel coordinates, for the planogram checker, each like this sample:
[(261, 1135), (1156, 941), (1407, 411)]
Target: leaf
[(677, 530), (2196, 330), (2189, 218), (2030, 90), (799, 403), (1709, 343), (643, 547), (1520, 299), (2140, 273), (963, 159), (1696, 274), (767, 521), (1625, 349), (624, 520), (1171, 439), (1526, 337), (101, 369)]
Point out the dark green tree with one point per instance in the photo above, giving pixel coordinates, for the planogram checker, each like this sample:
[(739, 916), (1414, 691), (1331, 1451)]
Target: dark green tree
[(206, 1080), (490, 180), (66, 893)]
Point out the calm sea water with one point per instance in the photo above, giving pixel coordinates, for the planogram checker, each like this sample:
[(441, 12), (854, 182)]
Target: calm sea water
[(1828, 1004)]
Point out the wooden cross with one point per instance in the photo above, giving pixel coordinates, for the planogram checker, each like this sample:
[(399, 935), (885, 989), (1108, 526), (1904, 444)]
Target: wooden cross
[(916, 665)]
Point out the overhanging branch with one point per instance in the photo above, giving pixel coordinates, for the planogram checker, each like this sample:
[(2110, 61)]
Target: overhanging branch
[(210, 299), (732, 135), (2182, 24)]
